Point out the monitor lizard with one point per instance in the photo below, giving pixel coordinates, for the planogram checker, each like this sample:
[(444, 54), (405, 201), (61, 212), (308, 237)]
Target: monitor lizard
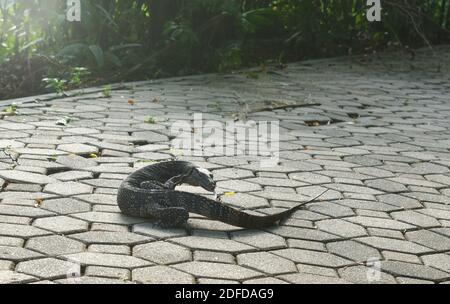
[(150, 193)]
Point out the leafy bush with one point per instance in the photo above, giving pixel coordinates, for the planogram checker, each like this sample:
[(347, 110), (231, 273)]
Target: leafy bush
[(137, 39)]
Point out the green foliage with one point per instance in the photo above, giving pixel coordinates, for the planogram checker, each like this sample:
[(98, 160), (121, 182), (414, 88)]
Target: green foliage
[(107, 91), (56, 84), (139, 39)]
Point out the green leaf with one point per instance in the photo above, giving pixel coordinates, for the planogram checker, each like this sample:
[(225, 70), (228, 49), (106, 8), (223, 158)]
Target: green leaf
[(98, 54)]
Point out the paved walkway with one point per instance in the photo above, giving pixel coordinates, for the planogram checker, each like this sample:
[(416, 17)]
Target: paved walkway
[(377, 135)]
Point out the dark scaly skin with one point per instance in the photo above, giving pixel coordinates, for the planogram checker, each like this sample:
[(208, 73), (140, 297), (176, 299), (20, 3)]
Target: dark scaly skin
[(150, 193)]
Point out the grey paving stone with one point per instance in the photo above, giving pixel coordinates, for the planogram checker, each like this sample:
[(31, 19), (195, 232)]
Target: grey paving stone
[(402, 280), (149, 229), (25, 177), (365, 275), (23, 187), (259, 239), (114, 249), (415, 218), (305, 278), (101, 199), (17, 253), (49, 268), (413, 270), (215, 257), (440, 261), (212, 244), (106, 259), (313, 257), (244, 200), (92, 280), (266, 262), (218, 270), (162, 253), (11, 241), (6, 265), (238, 186), (303, 234), (108, 272), (75, 162), (72, 175), (353, 251), (108, 218), (429, 239), (161, 275), (386, 185), (65, 206), (341, 228), (380, 223), (24, 211), (12, 277), (55, 245), (77, 148), (110, 237), (394, 245), (68, 188), (403, 257), (61, 224), (265, 281), (216, 281), (21, 231), (310, 178), (317, 270), (386, 233)]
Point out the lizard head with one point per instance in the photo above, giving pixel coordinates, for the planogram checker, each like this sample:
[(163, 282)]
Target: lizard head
[(200, 177)]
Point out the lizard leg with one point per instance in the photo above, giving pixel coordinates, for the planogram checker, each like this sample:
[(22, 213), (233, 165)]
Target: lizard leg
[(174, 181), (150, 185), (169, 217)]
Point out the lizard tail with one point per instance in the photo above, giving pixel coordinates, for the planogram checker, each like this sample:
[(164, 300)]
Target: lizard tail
[(224, 213)]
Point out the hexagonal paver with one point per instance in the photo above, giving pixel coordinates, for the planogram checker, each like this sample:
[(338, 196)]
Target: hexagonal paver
[(259, 239), (106, 259), (26, 177), (213, 244), (68, 188), (413, 270), (354, 251), (341, 228), (394, 245), (266, 262), (109, 218), (162, 253), (78, 149), (429, 239), (440, 261), (12, 277), (416, 218), (217, 270), (306, 278), (61, 224), (21, 230), (65, 206), (313, 257), (55, 245), (49, 268), (161, 275), (17, 253), (109, 237), (365, 275)]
